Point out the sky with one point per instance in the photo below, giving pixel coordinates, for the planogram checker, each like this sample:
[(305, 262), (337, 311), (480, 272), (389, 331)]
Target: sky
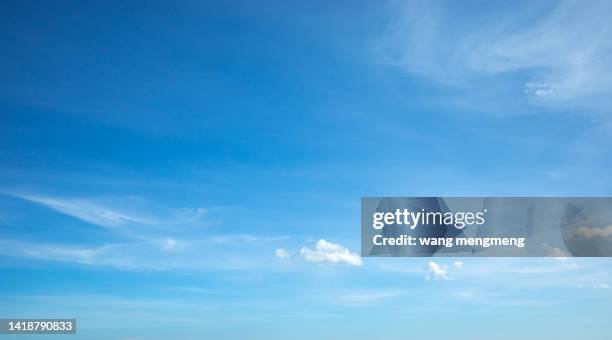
[(194, 169)]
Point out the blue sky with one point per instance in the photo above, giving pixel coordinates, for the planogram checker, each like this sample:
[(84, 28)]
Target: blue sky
[(195, 170)]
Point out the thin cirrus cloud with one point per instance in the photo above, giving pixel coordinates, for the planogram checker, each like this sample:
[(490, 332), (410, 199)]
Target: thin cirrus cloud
[(107, 212), (164, 254), (558, 52), (143, 236), (130, 256)]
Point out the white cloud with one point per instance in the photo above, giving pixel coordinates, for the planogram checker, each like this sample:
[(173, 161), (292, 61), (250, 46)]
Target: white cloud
[(282, 253), (566, 50), (325, 251), (601, 286), (435, 271), (592, 232), (458, 264), (562, 48), (118, 212), (89, 211)]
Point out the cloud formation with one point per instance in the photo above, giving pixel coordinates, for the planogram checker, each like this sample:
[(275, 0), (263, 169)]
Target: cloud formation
[(107, 255), (119, 212), (556, 54), (435, 271), (157, 255), (91, 211), (325, 251)]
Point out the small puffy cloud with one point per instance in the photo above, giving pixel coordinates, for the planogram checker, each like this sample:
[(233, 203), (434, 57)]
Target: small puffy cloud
[(592, 232), (325, 251), (282, 254), (435, 271), (458, 264)]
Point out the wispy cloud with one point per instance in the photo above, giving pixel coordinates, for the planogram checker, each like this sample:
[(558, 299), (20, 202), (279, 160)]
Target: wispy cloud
[(162, 254), (115, 255), (555, 54), (566, 50), (117, 212), (143, 235)]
